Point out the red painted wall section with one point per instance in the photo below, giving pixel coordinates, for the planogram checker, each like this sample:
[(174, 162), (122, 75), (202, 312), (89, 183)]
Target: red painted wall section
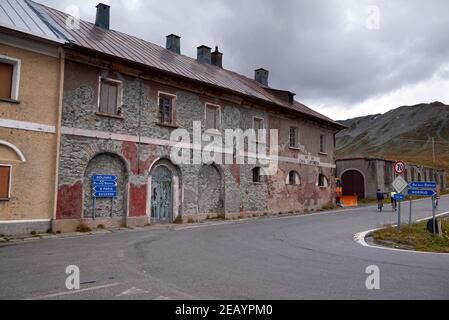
[(235, 171), (137, 200), (70, 199), (129, 150)]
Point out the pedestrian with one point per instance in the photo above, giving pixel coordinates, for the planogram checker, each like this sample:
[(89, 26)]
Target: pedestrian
[(380, 200)]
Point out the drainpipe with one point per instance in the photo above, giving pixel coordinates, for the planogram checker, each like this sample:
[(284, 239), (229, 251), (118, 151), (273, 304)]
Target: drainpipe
[(58, 129)]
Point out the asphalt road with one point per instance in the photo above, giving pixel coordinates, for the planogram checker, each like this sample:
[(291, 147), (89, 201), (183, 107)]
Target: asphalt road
[(301, 257)]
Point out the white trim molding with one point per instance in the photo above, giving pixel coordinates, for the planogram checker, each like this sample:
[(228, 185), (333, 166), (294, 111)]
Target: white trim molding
[(301, 159), (9, 180), (16, 150), (24, 125), (23, 221), (16, 63)]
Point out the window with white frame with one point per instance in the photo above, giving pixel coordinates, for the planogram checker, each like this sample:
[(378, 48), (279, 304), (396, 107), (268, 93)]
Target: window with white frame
[(322, 143), (166, 104), (212, 116), (110, 97), (294, 137), (5, 182), (293, 178), (322, 181), (9, 78)]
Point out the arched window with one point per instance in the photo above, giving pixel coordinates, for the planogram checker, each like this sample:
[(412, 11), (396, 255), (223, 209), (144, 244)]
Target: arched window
[(258, 177), (293, 178), (322, 181)]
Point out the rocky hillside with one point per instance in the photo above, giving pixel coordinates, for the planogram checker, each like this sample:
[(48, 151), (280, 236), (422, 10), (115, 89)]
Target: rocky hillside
[(404, 133)]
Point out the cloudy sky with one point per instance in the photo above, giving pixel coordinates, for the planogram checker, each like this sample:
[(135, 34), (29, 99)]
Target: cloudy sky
[(344, 58)]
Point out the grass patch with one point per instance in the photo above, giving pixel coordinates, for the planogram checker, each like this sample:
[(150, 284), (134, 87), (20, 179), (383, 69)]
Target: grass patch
[(82, 227), (221, 216), (178, 220), (415, 237)]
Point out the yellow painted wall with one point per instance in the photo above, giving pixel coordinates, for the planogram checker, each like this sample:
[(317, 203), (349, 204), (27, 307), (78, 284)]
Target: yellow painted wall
[(33, 181)]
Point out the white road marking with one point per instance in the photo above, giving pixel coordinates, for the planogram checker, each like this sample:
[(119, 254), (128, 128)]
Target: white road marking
[(361, 236), (131, 292), (54, 295)]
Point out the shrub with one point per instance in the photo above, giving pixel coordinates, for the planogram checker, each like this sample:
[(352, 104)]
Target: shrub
[(33, 233), (82, 227), (178, 220), (221, 216), (101, 227), (190, 220)]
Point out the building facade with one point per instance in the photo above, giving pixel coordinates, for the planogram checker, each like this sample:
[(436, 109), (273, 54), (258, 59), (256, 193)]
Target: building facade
[(364, 176), (124, 98), (31, 71)]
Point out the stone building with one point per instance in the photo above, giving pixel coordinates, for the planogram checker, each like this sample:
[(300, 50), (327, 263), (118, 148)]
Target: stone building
[(31, 70), (124, 98), (364, 176)]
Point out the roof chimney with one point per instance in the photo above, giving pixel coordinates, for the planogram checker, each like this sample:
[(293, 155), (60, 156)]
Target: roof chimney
[(261, 76), (174, 43), (217, 58), (103, 16), (203, 54)]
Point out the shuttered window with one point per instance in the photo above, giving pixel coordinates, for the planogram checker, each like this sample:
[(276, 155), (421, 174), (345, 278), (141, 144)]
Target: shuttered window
[(109, 94), (6, 75), (212, 117), (165, 109), (5, 173), (294, 137)]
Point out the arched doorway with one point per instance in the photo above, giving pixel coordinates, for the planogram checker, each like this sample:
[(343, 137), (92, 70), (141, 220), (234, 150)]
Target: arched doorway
[(114, 207), (161, 195), (164, 192), (353, 183), (210, 195)]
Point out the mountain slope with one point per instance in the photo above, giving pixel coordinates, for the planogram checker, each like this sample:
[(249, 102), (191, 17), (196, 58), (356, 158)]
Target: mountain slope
[(404, 133)]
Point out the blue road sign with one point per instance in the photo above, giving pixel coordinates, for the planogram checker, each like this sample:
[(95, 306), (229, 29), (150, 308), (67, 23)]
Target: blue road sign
[(105, 189), (421, 193), (100, 177), (423, 185), (399, 197), (105, 194), (104, 186), (98, 183)]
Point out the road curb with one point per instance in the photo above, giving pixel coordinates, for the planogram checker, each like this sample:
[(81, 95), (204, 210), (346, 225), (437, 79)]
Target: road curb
[(360, 238)]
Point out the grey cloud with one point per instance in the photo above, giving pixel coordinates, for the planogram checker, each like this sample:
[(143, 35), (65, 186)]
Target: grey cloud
[(319, 49)]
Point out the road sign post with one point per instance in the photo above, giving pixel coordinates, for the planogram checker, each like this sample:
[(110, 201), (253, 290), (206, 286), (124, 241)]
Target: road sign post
[(103, 186), (410, 213), (434, 217), (399, 198)]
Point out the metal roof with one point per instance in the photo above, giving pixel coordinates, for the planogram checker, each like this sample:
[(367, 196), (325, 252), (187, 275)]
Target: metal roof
[(136, 50), (19, 15)]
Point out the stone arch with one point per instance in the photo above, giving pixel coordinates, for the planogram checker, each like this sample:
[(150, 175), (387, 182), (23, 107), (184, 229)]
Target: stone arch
[(353, 182), (210, 190), (106, 163), (155, 171), (10, 152)]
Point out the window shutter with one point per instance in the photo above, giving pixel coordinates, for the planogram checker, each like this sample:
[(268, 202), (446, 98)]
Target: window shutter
[(112, 99), (104, 93), (210, 117), (6, 72), (4, 182)]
